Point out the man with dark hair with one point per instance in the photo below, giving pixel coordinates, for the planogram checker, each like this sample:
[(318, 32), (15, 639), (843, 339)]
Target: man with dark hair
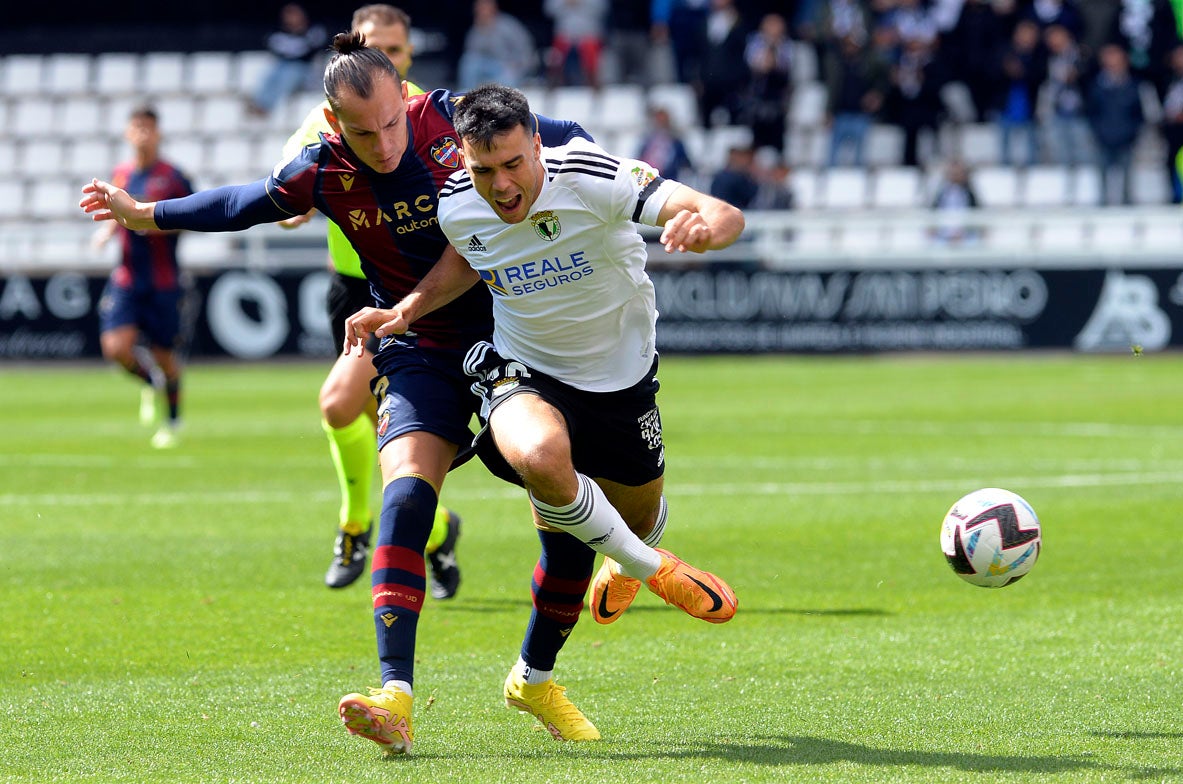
[(377, 176), (348, 412), (569, 380), (144, 294)]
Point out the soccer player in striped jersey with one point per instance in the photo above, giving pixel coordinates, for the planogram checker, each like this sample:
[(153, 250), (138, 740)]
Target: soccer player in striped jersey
[(144, 295), (377, 176), (348, 411), (569, 380)]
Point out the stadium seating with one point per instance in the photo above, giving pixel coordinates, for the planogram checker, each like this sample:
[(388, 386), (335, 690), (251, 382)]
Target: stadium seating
[(62, 118)]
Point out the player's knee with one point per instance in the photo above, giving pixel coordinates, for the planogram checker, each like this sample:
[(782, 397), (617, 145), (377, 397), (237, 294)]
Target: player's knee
[(337, 408)]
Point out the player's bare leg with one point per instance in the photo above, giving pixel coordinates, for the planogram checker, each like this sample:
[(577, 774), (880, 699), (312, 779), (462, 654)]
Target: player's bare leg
[(532, 435)]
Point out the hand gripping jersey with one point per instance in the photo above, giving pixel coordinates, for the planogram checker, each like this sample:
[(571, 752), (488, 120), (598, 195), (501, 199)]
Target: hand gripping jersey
[(570, 293)]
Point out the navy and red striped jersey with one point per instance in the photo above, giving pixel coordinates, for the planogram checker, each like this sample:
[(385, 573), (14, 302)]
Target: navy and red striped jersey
[(391, 219), (149, 259)]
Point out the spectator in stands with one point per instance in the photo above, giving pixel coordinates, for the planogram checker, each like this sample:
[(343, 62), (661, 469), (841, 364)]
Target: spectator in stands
[(772, 177), (825, 23), (723, 76), (769, 57), (954, 198), (914, 101), (679, 24), (1114, 110), (1172, 122), (912, 20), (1045, 13), (857, 81), (294, 47), (497, 48), (1023, 71), (736, 182), (143, 298), (662, 147), (578, 28), (1068, 130), (638, 61), (971, 51)]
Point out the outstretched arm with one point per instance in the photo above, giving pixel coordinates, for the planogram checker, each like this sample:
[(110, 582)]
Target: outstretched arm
[(448, 279), (697, 222), (229, 208)]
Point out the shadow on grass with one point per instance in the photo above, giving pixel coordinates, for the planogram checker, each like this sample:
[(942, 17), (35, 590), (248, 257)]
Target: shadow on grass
[(495, 605), (1136, 735), (805, 751)]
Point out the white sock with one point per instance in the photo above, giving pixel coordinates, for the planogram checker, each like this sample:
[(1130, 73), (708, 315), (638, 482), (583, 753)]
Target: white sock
[(532, 676), (596, 523), (653, 538), (400, 685)]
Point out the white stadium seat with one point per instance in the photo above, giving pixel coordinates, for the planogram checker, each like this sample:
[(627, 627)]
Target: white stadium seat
[(67, 74), (80, 117), (210, 73), (53, 198), (621, 107), (996, 186), (221, 115), (803, 183), (93, 157), (116, 73), (32, 118), (188, 153), (843, 188), (1046, 186), (807, 107), (22, 75), (679, 101), (163, 73), (42, 157), (249, 70), (978, 144), (177, 114), (896, 187)]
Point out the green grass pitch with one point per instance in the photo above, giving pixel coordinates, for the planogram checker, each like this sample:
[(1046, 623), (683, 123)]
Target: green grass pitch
[(162, 616)]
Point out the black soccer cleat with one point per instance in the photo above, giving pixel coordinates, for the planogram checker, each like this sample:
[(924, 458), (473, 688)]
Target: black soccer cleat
[(349, 559), (445, 572)]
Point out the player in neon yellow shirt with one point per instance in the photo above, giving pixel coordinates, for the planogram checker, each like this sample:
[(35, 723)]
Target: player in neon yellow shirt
[(348, 410)]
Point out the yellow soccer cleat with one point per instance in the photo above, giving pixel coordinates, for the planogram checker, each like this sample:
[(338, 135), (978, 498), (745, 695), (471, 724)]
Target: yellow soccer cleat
[(611, 593), (384, 717), (549, 704), (699, 593)]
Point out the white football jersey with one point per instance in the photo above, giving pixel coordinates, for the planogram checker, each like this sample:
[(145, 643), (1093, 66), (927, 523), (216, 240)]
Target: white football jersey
[(570, 293)]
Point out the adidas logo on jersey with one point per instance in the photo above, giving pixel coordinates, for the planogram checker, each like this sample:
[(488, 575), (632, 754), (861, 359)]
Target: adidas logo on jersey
[(476, 246)]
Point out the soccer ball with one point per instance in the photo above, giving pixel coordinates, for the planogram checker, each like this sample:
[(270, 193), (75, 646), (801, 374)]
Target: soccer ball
[(991, 537)]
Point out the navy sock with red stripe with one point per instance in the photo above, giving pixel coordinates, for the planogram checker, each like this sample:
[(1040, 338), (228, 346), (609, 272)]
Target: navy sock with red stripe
[(399, 581), (561, 578)]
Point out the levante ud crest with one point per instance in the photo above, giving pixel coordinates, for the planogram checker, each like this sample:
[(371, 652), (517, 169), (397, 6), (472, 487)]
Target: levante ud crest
[(446, 152)]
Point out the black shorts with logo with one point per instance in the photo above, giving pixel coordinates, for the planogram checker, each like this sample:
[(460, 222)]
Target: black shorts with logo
[(614, 435), (346, 296)]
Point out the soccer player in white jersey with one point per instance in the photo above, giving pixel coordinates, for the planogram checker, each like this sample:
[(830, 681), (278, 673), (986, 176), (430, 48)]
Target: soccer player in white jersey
[(569, 381)]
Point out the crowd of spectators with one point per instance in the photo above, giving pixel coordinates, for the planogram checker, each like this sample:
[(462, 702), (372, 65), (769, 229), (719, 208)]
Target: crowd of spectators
[(1064, 81)]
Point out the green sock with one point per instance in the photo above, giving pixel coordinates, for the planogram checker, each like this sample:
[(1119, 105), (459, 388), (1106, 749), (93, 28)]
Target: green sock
[(355, 452), (439, 529)]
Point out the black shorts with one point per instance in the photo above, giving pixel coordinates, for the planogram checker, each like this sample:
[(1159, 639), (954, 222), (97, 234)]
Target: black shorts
[(346, 296), (614, 435)]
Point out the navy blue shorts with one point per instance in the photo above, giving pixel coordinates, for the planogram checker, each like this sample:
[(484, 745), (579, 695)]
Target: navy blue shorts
[(157, 314), (614, 435), (426, 390)]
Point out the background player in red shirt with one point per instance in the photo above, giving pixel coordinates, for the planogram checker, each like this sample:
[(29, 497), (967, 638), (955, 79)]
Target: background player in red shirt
[(144, 295)]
